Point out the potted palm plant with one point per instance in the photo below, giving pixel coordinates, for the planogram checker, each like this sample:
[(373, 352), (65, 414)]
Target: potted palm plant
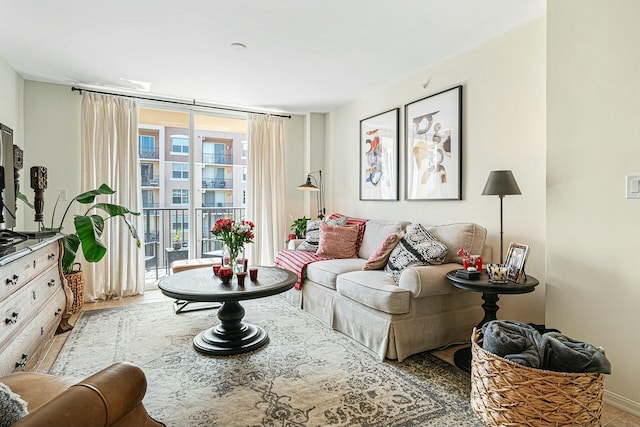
[(89, 227), (87, 235)]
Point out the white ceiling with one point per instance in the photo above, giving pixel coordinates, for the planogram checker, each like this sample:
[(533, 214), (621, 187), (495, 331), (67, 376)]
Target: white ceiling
[(302, 55)]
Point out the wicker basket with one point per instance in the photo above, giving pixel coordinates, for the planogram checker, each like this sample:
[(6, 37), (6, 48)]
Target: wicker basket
[(504, 393), (75, 281)]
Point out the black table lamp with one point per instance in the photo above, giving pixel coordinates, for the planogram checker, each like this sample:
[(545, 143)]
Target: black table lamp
[(501, 183), (316, 186)]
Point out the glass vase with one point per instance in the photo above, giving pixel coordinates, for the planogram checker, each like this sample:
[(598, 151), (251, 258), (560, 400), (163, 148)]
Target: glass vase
[(235, 258)]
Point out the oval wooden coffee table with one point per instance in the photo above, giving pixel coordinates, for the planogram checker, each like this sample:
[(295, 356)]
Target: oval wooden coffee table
[(231, 335)]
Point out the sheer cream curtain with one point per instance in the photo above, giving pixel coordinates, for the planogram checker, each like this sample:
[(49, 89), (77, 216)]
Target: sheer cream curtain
[(110, 155), (265, 187)]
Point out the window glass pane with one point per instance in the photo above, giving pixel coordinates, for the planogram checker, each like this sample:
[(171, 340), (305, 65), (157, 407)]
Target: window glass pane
[(180, 171), (180, 197), (147, 143), (180, 144)]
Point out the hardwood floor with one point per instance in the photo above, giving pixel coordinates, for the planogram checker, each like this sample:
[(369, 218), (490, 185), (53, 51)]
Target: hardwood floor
[(611, 416)]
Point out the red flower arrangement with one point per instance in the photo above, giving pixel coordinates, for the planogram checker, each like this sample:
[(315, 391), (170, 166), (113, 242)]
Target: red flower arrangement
[(233, 234)]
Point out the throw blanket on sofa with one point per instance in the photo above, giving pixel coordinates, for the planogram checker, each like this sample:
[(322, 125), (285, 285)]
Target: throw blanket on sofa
[(297, 262), (523, 344)]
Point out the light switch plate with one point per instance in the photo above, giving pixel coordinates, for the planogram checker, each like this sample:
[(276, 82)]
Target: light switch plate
[(633, 186)]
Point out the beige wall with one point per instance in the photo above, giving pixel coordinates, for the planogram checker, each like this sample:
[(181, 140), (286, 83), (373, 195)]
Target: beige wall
[(503, 128), (52, 139), (11, 107), (593, 286)]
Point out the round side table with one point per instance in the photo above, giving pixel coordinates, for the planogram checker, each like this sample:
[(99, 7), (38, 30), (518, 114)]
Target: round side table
[(490, 295)]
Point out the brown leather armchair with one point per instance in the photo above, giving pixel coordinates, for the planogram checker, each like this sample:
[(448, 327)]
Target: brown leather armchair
[(112, 397)]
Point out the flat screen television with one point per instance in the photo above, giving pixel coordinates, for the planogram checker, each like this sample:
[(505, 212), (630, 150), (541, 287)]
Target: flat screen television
[(8, 189)]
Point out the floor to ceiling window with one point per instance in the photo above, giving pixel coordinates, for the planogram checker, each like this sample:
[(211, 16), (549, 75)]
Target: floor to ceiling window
[(193, 172)]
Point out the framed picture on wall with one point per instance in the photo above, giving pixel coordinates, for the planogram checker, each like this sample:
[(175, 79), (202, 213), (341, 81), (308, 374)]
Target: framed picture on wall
[(379, 144), (516, 258), (433, 137)]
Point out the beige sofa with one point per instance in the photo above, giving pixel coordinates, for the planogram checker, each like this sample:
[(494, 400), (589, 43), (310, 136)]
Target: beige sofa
[(423, 311)]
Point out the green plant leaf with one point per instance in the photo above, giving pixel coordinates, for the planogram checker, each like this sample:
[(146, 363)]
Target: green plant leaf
[(70, 244), (89, 229), (132, 230), (90, 196), (26, 201), (114, 210)]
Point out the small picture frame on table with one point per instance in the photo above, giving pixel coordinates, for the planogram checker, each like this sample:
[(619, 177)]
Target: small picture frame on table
[(515, 261)]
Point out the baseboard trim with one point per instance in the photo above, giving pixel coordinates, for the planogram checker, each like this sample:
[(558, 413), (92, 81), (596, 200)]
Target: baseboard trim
[(621, 402)]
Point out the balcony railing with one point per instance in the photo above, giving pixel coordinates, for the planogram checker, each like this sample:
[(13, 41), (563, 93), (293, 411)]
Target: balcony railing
[(149, 154), (160, 226), (217, 183), (217, 159), (150, 181)]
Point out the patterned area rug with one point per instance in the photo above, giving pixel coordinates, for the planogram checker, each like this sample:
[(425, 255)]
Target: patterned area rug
[(307, 375)]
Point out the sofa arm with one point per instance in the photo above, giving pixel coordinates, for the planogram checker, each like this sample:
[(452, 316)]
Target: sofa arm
[(113, 395), (427, 280), (294, 243)]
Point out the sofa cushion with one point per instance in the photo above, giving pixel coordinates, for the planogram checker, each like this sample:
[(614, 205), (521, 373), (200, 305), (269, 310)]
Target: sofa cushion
[(312, 236), (325, 272), (379, 258), (360, 222), (337, 241), (375, 232), (469, 236), (417, 247), (12, 407), (374, 289)]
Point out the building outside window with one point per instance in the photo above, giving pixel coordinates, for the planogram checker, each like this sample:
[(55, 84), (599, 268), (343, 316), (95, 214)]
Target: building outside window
[(180, 171), (245, 149), (180, 197), (146, 146), (180, 222), (244, 174), (179, 144)]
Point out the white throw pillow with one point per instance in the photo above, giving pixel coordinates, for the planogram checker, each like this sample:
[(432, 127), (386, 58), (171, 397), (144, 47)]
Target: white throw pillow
[(417, 247)]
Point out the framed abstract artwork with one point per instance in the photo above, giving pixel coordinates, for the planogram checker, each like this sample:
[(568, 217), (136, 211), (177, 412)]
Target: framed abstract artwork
[(433, 134), (379, 144)]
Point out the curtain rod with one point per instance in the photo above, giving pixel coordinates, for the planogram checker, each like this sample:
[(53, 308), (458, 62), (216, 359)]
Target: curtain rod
[(191, 104)]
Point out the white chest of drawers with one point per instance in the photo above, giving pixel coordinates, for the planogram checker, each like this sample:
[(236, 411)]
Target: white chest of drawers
[(34, 299)]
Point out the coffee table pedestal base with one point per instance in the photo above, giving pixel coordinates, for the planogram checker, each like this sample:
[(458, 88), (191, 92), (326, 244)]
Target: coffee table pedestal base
[(231, 336)]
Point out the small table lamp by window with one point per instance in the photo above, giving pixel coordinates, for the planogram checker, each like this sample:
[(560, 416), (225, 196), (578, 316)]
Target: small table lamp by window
[(501, 183), (316, 185)]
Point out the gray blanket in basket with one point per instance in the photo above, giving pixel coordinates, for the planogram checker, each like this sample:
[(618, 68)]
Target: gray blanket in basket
[(522, 343)]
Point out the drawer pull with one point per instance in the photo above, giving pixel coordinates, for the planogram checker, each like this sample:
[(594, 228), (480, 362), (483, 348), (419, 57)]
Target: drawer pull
[(51, 257), (23, 362), (13, 280), (52, 282), (13, 319), (58, 312)]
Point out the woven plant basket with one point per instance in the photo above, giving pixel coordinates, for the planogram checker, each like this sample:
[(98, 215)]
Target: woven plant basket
[(75, 281), (505, 393)]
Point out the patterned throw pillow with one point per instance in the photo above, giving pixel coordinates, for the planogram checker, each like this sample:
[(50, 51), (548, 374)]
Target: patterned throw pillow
[(12, 407), (312, 236), (337, 241), (379, 258), (417, 247)]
